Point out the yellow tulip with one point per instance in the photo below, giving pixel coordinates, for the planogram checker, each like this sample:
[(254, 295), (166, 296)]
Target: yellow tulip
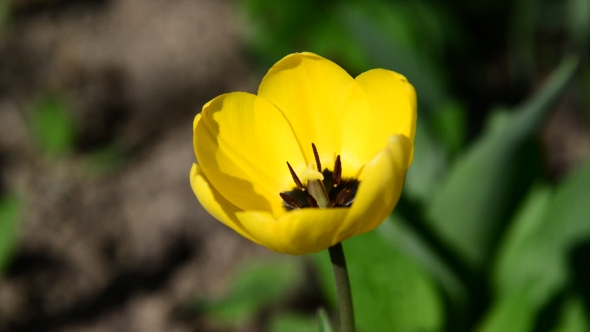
[(259, 174)]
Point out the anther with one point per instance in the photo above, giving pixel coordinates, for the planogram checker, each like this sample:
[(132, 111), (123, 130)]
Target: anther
[(317, 157), (291, 201), (295, 178), (337, 175), (343, 196)]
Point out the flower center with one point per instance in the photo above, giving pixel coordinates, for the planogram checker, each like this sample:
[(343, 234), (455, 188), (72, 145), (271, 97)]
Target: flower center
[(320, 189)]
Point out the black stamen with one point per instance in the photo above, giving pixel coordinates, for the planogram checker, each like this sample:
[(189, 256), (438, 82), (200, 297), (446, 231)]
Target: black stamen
[(291, 201), (295, 178), (317, 157), (337, 171), (312, 202), (343, 196)]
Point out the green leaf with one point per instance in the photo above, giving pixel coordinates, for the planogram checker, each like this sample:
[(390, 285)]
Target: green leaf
[(10, 211), (255, 286), (389, 291), (515, 310), (513, 313), (539, 256), (534, 254), (396, 233), (468, 210), (573, 318), (52, 126), (517, 313), (292, 323), (526, 222), (324, 322)]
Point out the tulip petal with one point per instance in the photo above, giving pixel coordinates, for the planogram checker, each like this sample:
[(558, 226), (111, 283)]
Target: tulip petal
[(214, 203), (392, 112), (315, 95), (297, 232), (242, 143), (379, 188)]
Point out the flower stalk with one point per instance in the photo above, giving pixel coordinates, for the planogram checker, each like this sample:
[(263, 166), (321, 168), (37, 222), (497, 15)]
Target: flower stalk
[(342, 288)]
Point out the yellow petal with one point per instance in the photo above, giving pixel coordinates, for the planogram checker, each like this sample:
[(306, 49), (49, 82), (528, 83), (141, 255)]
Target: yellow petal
[(392, 111), (379, 189), (297, 232), (315, 95), (214, 203), (242, 143)]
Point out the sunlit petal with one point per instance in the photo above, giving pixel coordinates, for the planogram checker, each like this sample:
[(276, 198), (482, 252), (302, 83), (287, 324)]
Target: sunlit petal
[(214, 203), (392, 111), (242, 143), (316, 96), (298, 232)]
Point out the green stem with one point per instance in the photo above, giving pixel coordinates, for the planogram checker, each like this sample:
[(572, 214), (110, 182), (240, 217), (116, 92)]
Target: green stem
[(342, 288)]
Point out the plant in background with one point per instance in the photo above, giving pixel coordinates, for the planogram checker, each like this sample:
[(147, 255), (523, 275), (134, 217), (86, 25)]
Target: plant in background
[(315, 158)]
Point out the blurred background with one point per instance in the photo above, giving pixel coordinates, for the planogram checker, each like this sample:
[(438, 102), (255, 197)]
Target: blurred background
[(100, 231)]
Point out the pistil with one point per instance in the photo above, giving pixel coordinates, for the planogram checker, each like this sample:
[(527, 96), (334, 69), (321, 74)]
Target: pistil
[(315, 185), (318, 192)]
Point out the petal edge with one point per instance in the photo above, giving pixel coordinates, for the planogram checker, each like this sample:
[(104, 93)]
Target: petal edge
[(297, 232), (379, 189), (214, 203)]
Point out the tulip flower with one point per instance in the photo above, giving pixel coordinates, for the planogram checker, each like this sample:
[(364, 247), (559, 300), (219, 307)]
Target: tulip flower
[(258, 172), (314, 158)]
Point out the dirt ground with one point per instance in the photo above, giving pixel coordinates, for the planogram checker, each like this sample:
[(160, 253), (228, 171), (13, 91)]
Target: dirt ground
[(126, 250)]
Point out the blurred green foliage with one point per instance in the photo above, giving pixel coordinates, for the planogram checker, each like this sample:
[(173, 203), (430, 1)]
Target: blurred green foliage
[(324, 324), (449, 124), (256, 286), (4, 13), (52, 126), (533, 265), (10, 211), (573, 318), (286, 322), (396, 232), (292, 323), (104, 160), (495, 160)]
